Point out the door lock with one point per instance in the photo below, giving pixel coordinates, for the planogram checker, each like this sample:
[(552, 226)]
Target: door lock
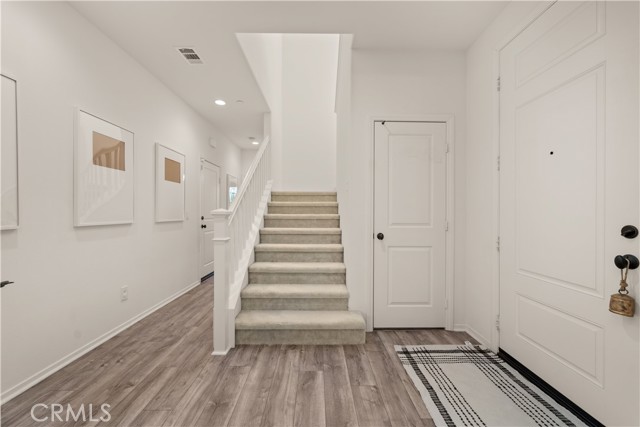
[(380, 236), (629, 232)]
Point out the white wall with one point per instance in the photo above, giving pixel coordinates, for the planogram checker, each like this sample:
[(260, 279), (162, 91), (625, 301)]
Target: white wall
[(480, 270), (343, 126), (398, 83), (264, 55), (309, 67), (67, 290), (297, 76), (246, 159)]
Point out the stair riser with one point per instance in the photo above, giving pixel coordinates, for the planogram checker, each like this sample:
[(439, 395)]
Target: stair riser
[(301, 223), (301, 238), (300, 336), (267, 256), (295, 303), (303, 198), (303, 209), (298, 278)]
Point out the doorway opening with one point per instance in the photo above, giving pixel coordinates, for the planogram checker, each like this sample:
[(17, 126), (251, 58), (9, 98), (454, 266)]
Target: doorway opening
[(209, 201)]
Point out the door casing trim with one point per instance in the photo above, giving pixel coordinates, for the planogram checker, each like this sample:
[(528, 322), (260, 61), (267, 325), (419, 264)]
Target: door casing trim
[(449, 121), (197, 223)]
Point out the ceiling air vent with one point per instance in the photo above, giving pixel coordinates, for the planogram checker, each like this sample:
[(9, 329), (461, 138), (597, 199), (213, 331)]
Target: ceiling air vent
[(190, 55)]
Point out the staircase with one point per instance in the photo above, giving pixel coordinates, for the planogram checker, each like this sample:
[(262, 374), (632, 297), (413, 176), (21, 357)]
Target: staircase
[(297, 290)]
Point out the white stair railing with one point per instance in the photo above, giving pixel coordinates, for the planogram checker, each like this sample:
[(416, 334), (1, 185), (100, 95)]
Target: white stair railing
[(236, 232)]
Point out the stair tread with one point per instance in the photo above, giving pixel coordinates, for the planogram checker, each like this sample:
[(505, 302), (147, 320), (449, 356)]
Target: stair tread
[(299, 319), (301, 216), (304, 193), (295, 291), (301, 230), (299, 247), (297, 267), (304, 204)]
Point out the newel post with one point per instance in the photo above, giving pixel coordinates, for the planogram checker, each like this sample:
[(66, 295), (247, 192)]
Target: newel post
[(221, 282)]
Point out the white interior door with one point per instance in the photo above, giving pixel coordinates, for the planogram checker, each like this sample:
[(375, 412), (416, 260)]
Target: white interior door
[(410, 212), (209, 200), (568, 184)]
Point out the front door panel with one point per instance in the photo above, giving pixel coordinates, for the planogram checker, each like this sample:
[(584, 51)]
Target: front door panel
[(568, 183)]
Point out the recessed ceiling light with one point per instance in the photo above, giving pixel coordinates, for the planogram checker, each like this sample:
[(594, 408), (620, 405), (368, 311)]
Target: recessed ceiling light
[(255, 142), (219, 102)]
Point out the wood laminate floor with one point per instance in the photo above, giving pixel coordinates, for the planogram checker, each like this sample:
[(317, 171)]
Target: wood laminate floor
[(160, 372)]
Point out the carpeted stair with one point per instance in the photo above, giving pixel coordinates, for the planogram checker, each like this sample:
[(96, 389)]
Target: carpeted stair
[(297, 290)]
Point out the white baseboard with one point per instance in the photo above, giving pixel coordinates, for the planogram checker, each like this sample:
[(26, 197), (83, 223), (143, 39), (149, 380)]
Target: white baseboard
[(64, 361), (475, 334), (459, 328)]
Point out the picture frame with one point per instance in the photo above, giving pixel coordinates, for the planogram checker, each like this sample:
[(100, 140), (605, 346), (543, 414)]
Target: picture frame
[(170, 184), (232, 189), (103, 172), (9, 214)]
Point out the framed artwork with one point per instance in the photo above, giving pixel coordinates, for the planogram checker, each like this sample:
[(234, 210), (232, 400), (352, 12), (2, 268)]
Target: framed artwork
[(170, 189), (232, 189), (9, 154), (104, 171)]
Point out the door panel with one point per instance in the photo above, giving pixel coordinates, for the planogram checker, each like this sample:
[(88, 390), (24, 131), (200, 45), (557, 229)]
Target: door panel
[(408, 287), (409, 161), (558, 132), (568, 183), (410, 209), (209, 200), (583, 352)]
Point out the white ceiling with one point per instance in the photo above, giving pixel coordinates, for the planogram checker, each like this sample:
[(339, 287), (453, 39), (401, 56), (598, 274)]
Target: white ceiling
[(150, 31)]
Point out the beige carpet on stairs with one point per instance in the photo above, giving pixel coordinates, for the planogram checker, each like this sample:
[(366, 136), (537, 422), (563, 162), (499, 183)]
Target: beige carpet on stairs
[(297, 291)]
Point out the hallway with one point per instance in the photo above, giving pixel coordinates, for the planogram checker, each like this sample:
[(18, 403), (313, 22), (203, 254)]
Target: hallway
[(159, 373)]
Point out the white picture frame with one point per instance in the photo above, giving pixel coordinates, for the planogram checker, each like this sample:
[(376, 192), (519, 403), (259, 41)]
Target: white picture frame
[(10, 212), (103, 172), (170, 184), (232, 189)]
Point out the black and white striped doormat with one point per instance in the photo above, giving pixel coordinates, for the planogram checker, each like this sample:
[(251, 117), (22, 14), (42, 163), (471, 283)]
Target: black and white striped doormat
[(467, 385)]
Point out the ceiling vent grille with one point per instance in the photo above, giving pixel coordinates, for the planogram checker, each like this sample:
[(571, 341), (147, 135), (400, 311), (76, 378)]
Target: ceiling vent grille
[(190, 55)]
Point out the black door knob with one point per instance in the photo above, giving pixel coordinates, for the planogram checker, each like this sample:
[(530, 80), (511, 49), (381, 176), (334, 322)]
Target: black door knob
[(629, 231), (203, 226), (380, 236), (621, 261)]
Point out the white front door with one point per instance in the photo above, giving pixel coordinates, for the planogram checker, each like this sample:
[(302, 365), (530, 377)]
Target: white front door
[(409, 224), (568, 184), (209, 200)]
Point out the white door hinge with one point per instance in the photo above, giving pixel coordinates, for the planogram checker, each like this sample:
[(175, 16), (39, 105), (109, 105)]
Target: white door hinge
[(498, 84), (446, 150), (498, 322), (498, 163), (446, 226), (498, 243), (446, 304)]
